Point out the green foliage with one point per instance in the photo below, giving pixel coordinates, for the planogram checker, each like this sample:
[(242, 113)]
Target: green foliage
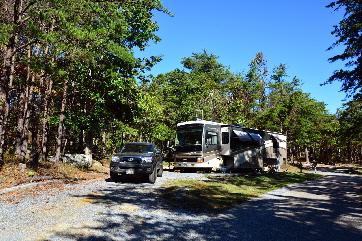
[(255, 99), (80, 54), (350, 129), (199, 89), (32, 173), (350, 116), (348, 32)]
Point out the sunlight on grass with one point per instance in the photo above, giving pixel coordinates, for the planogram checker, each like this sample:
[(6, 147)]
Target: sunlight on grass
[(220, 193), (354, 171)]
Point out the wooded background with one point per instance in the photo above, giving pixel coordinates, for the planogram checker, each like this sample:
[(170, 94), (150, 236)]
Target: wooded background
[(70, 83)]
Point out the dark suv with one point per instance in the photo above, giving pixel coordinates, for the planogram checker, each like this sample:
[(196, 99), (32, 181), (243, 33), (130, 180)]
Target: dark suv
[(137, 159)]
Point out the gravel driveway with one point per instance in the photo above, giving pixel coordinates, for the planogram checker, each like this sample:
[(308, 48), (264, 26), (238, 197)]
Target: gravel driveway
[(323, 209)]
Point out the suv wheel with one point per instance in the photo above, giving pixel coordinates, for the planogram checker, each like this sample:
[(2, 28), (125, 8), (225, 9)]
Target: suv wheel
[(152, 176), (160, 171), (114, 176)]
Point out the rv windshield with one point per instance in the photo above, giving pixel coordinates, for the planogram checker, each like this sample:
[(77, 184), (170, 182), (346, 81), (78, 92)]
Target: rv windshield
[(188, 136)]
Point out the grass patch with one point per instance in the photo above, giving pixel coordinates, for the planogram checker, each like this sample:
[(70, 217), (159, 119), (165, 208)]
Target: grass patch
[(224, 192), (291, 167), (357, 171)]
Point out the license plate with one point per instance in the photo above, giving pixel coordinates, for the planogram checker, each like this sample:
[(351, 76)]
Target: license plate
[(129, 171), (185, 164)]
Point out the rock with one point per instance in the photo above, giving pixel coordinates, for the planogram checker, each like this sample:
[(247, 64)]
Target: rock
[(97, 164), (79, 160), (22, 166)]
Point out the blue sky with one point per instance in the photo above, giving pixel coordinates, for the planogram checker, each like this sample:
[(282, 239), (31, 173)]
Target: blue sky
[(295, 33)]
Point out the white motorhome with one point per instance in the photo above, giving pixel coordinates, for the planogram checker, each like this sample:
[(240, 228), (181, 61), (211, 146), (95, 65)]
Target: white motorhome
[(208, 145)]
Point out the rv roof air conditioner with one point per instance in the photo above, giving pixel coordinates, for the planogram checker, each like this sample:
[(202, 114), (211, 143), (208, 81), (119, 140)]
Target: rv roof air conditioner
[(213, 120), (196, 119)]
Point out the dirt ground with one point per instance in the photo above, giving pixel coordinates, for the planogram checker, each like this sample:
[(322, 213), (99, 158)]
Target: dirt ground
[(12, 175)]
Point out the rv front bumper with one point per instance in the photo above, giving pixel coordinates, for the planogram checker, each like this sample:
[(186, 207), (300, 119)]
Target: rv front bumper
[(193, 165)]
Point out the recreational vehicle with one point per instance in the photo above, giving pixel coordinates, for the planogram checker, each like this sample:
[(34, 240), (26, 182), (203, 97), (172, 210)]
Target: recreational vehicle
[(209, 145)]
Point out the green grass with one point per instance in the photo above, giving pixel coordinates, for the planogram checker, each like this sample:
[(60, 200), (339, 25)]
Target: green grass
[(354, 171), (224, 192)]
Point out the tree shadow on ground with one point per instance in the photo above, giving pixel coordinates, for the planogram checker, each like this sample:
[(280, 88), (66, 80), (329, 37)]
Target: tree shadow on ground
[(323, 209)]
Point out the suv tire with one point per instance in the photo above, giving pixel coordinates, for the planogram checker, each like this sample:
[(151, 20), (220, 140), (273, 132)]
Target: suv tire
[(160, 171), (114, 176), (152, 176)]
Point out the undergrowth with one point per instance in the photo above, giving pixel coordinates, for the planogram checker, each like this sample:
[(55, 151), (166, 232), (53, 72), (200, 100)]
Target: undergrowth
[(13, 170)]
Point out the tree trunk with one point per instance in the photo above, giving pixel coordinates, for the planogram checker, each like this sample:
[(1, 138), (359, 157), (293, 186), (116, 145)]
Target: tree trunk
[(348, 153), (80, 142), (44, 121), (45, 97), (61, 122), (23, 123), (104, 144), (35, 122), (5, 94), (306, 155), (14, 17), (23, 120), (88, 146), (34, 153)]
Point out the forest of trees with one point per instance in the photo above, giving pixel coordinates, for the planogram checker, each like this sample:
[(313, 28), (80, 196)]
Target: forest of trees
[(70, 83)]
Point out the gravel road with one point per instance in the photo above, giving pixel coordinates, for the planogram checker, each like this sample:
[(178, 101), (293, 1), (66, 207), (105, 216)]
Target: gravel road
[(323, 209)]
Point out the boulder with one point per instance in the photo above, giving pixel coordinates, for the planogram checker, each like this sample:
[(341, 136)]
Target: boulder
[(79, 160)]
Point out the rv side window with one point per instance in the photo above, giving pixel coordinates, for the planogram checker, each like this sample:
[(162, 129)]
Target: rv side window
[(211, 138), (225, 138), (275, 144), (275, 147)]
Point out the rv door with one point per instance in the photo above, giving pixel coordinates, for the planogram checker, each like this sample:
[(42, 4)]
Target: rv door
[(225, 141)]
